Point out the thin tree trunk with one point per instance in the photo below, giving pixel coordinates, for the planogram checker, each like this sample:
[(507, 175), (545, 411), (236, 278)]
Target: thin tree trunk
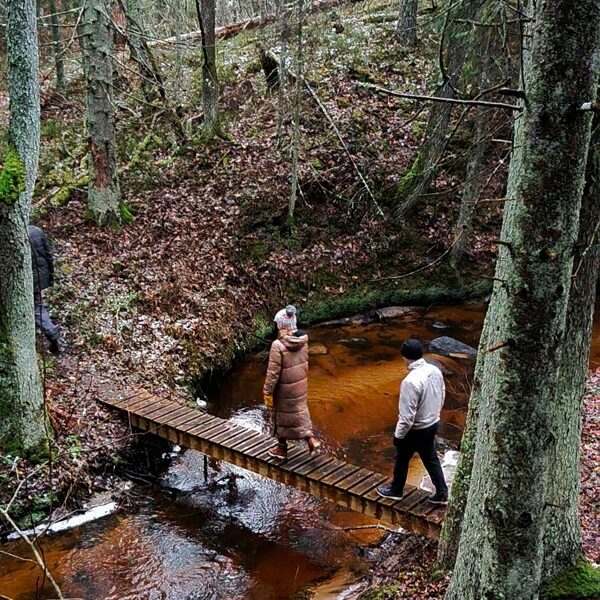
[(473, 180), (58, 53), (406, 27), (501, 546), (22, 418), (150, 73), (562, 535), (210, 82), (296, 113), (104, 195), (455, 46)]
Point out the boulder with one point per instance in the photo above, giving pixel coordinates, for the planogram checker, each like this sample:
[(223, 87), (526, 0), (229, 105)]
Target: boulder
[(317, 348), (440, 326), (448, 346), (392, 312)]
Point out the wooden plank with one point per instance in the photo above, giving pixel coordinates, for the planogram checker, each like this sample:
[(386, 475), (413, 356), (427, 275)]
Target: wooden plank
[(411, 499), (202, 430), (251, 443), (191, 415), (360, 475), (297, 461), (154, 414), (261, 448), (121, 402), (340, 474), (374, 481), (319, 462), (437, 516), (231, 432), (199, 419), (142, 403), (423, 508), (174, 416), (243, 436), (326, 470)]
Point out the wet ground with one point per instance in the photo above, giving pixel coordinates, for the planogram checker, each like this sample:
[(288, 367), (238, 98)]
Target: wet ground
[(242, 536)]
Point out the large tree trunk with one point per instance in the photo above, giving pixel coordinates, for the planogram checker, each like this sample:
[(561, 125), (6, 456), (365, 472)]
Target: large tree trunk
[(500, 550), (210, 82), (406, 27), (104, 196), (457, 39), (22, 421), (562, 535)]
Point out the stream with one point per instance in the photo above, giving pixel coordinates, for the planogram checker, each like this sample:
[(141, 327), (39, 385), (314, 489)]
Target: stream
[(243, 536)]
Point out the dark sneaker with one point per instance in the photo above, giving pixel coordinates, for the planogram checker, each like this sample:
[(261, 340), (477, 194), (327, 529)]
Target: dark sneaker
[(278, 452), (55, 347), (386, 491), (438, 498)]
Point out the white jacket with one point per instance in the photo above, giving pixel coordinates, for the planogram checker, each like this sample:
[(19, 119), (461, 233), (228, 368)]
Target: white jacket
[(421, 397)]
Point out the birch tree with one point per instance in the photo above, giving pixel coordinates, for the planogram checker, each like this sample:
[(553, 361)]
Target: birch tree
[(501, 545), (104, 195), (22, 422)]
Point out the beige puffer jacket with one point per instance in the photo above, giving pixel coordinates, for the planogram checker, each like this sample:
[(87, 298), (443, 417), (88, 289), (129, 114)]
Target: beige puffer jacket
[(287, 381)]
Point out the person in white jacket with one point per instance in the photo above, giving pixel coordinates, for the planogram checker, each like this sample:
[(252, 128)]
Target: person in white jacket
[(422, 395)]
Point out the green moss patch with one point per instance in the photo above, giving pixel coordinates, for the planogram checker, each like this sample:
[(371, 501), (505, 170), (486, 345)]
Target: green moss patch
[(12, 177), (580, 581)]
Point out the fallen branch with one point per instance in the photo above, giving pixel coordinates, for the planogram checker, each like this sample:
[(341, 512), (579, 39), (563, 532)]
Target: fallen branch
[(38, 558), (423, 98)]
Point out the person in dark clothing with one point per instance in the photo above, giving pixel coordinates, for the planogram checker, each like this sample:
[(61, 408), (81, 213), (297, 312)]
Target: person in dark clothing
[(421, 399), (42, 264)]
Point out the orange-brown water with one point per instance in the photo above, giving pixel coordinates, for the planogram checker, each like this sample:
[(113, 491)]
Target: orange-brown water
[(255, 538)]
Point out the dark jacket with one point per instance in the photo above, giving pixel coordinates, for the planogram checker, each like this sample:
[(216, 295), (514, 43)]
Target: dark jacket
[(42, 262), (287, 380)]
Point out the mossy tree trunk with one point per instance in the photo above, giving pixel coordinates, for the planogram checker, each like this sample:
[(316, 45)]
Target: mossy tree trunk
[(501, 544), (406, 27), (456, 44), (562, 534), (22, 420), (452, 525), (210, 81), (104, 195)]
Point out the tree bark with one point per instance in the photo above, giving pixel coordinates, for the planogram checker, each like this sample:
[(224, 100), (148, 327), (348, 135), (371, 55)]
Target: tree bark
[(104, 195), (500, 550), (455, 45), (210, 82), (22, 420), (406, 27), (562, 534)]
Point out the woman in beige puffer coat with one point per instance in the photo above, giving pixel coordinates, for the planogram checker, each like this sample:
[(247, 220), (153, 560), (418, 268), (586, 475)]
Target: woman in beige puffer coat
[(287, 384)]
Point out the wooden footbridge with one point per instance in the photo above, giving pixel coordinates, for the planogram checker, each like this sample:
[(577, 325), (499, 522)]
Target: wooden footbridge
[(322, 476)]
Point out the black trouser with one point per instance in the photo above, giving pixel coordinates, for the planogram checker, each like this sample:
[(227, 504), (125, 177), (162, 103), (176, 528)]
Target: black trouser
[(423, 442)]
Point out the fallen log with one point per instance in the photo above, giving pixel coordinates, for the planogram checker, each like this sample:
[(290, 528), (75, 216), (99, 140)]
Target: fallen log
[(229, 31)]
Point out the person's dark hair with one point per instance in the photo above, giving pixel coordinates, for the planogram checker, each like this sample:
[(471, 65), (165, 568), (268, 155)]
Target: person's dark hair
[(299, 332), (412, 349)]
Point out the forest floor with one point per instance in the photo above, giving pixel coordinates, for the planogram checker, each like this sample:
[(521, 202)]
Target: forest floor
[(194, 279)]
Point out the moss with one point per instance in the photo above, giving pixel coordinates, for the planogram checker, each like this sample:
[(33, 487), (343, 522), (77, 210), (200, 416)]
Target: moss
[(12, 177), (580, 581), (405, 184), (361, 299)]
